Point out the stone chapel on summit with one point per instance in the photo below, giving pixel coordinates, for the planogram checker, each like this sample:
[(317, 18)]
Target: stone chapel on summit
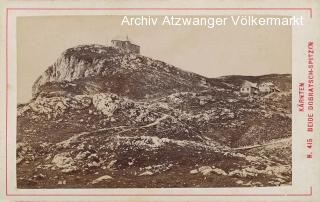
[(126, 45)]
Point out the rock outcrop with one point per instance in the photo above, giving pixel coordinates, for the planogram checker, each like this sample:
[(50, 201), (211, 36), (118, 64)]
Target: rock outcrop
[(90, 69)]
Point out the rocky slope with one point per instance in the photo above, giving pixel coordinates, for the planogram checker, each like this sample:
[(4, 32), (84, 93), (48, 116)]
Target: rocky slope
[(91, 69), (101, 117)]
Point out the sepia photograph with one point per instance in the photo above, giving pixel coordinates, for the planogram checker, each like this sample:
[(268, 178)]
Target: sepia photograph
[(106, 104)]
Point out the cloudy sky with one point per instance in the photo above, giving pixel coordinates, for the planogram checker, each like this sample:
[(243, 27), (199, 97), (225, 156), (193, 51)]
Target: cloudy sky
[(225, 50)]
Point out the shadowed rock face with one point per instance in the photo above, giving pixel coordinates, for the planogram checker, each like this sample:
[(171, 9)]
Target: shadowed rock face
[(101, 117)]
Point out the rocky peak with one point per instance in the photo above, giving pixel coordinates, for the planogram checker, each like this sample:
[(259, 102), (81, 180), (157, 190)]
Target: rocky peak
[(80, 62), (88, 69)]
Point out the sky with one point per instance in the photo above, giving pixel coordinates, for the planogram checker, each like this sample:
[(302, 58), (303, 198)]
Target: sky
[(224, 50)]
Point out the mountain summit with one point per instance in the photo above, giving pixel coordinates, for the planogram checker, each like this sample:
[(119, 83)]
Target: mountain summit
[(106, 117), (89, 69)]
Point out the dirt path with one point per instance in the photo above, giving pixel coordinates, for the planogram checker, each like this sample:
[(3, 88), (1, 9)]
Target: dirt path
[(262, 145)]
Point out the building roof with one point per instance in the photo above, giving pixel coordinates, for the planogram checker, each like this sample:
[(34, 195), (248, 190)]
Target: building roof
[(120, 38), (249, 84), (270, 84)]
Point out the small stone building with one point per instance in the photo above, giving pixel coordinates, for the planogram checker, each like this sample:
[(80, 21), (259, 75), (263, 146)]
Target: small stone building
[(268, 87), (249, 88), (126, 45)]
